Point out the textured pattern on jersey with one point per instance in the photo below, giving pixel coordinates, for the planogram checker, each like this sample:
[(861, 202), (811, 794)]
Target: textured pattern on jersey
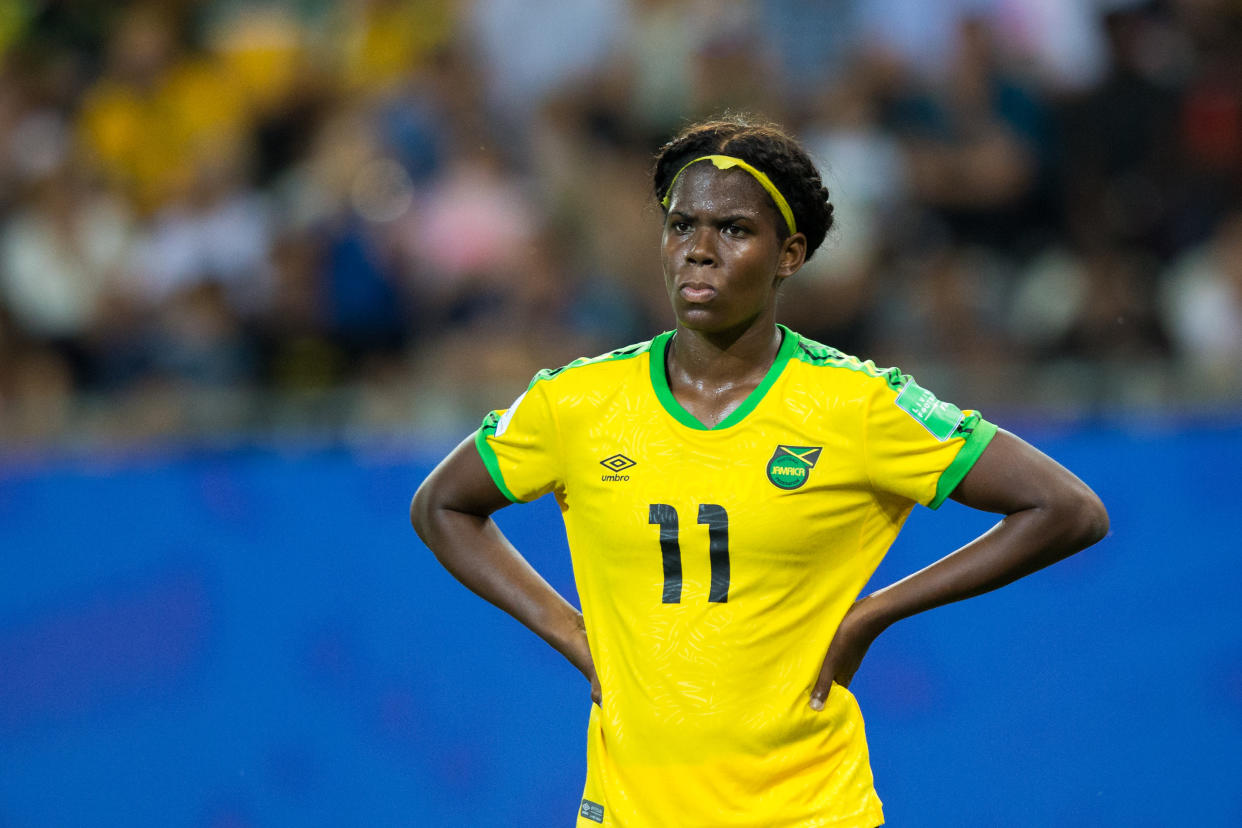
[(714, 565)]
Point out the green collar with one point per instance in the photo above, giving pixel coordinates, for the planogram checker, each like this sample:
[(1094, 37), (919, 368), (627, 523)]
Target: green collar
[(659, 381)]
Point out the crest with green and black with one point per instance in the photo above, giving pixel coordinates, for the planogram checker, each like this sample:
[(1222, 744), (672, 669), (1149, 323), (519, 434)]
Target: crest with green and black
[(790, 466)]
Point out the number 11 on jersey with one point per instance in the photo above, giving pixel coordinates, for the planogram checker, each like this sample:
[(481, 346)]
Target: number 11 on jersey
[(717, 521)]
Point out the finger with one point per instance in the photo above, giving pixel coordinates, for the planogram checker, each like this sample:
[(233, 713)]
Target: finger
[(823, 685)]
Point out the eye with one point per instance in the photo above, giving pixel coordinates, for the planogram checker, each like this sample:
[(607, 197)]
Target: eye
[(679, 226), (735, 230)]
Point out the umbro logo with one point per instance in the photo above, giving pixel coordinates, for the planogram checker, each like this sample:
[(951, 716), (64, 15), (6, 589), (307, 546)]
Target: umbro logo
[(617, 463)]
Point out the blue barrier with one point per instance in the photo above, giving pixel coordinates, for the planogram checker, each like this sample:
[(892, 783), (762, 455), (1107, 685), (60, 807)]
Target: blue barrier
[(254, 637)]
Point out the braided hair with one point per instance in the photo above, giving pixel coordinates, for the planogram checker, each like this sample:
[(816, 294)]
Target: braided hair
[(766, 147)]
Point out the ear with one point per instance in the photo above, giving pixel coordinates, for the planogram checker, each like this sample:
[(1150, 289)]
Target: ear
[(793, 254)]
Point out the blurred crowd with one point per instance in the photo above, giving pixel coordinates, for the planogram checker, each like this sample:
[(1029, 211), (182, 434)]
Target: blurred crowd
[(221, 217)]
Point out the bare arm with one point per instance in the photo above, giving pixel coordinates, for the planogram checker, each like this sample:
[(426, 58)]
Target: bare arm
[(451, 513), (1049, 514)]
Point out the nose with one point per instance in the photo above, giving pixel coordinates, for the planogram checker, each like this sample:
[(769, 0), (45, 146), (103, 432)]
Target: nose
[(701, 250)]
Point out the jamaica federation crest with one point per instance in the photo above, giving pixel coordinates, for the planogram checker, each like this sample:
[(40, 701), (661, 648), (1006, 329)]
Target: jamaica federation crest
[(790, 466)]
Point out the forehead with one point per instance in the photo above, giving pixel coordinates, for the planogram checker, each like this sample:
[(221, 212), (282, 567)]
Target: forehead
[(702, 187)]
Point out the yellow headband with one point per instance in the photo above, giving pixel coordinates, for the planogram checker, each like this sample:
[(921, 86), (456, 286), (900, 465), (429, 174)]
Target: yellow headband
[(724, 162)]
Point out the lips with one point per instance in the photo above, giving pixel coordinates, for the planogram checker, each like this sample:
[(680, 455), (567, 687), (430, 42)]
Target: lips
[(696, 292)]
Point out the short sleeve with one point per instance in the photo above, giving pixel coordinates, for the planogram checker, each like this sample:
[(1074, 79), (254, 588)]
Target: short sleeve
[(918, 446), (520, 445)]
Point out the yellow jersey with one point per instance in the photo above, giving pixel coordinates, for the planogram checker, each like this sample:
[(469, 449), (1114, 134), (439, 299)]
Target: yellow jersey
[(714, 565)]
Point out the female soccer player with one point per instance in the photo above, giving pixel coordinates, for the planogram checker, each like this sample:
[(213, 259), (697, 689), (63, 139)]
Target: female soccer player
[(727, 489)]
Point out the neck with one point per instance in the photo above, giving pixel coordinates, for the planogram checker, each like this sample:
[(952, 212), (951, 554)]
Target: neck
[(719, 362)]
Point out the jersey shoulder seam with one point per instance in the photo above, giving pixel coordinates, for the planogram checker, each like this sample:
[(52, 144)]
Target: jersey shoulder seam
[(618, 355), (815, 353)]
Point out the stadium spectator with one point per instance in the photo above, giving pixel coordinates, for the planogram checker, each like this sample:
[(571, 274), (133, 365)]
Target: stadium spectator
[(159, 155)]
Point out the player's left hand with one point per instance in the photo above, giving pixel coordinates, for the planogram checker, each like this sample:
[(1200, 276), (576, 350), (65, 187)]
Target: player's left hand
[(854, 636)]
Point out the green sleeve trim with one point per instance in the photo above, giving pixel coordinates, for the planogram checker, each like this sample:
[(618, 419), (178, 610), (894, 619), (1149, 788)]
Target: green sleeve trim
[(659, 381), (489, 455), (976, 442)]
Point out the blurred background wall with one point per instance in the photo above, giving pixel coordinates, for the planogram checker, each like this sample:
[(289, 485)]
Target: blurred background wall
[(261, 263), (254, 637)]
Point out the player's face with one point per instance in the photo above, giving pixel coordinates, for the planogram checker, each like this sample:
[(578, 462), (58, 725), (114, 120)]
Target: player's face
[(722, 252)]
